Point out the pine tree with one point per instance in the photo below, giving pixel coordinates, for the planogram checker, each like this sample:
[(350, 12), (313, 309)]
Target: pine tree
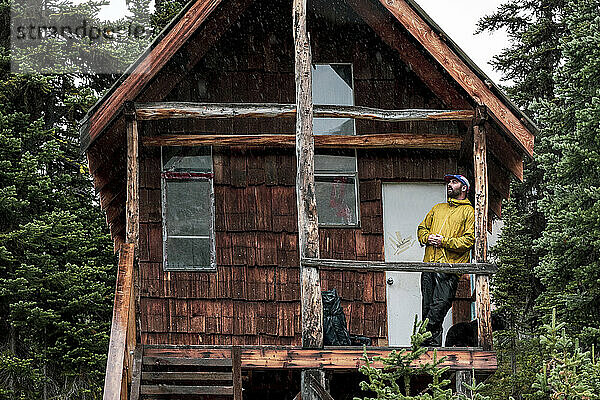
[(535, 28), (570, 268), (551, 231), (57, 268)]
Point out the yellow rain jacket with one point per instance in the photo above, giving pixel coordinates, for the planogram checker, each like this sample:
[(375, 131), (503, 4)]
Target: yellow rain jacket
[(455, 221)]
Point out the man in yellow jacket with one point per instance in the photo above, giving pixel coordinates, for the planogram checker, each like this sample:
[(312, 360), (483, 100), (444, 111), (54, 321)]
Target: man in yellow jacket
[(448, 232)]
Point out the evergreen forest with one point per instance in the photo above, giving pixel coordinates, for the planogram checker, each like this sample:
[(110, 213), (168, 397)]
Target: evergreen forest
[(57, 265)]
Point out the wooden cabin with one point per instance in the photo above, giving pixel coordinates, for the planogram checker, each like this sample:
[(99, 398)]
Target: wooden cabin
[(260, 152)]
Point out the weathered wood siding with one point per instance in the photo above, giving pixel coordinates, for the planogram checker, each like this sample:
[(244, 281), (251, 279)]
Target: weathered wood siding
[(253, 297)]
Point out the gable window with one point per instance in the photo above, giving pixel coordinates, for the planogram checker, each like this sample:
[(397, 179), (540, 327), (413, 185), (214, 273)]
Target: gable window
[(336, 183), (332, 84), (188, 208)]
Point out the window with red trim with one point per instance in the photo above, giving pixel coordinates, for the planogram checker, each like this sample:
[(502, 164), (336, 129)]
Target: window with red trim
[(188, 208)]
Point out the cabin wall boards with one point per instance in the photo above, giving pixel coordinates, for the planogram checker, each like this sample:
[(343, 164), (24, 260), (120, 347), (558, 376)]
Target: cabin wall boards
[(253, 296), (250, 293)]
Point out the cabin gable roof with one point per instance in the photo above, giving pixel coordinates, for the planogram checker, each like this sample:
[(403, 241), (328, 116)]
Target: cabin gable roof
[(516, 125)]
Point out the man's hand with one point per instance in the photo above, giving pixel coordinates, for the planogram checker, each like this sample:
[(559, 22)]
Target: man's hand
[(435, 240)]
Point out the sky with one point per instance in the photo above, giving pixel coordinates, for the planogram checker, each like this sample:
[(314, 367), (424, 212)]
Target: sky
[(457, 18)]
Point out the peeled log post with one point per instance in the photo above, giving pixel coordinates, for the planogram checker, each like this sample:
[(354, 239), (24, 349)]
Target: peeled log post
[(132, 229), (308, 227), (166, 110), (376, 141), (481, 215), (133, 191), (115, 380)]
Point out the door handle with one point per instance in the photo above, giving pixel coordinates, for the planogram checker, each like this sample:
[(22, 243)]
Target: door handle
[(390, 281)]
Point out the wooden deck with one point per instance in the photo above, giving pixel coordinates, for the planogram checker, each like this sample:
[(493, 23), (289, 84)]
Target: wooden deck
[(330, 358)]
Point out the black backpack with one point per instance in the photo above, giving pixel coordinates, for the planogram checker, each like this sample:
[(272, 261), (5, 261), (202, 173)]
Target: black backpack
[(335, 332)]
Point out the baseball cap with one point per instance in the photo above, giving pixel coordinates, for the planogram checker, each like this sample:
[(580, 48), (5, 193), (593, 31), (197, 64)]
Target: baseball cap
[(460, 178)]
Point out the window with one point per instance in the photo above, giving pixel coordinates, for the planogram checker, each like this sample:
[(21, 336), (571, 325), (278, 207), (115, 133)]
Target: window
[(336, 182), (332, 84), (188, 208)]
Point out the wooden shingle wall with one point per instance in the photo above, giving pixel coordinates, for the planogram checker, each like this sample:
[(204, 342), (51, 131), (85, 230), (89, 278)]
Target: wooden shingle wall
[(253, 297)]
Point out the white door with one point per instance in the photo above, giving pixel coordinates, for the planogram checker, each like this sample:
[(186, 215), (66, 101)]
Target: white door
[(404, 207)]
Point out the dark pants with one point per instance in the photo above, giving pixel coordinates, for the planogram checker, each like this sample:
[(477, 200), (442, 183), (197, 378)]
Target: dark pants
[(437, 291)]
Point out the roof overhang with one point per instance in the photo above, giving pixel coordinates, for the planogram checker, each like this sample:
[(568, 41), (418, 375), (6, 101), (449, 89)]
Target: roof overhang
[(515, 124)]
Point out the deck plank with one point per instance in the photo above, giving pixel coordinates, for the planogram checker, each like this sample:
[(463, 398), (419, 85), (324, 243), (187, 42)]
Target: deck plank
[(332, 358)]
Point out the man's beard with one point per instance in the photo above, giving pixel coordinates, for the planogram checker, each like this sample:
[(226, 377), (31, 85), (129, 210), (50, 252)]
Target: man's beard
[(453, 193)]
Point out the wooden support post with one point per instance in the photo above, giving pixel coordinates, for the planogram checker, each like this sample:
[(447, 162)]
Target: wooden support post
[(308, 226), (236, 361), (482, 301), (132, 229), (115, 381), (462, 377), (133, 190), (137, 373)]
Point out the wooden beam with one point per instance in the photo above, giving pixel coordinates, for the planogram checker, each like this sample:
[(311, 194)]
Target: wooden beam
[(481, 215), (376, 141), (137, 373), (461, 73), (402, 266), (308, 225), (329, 358), (383, 25), (113, 381), (133, 177), (311, 303), (166, 110), (236, 360)]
